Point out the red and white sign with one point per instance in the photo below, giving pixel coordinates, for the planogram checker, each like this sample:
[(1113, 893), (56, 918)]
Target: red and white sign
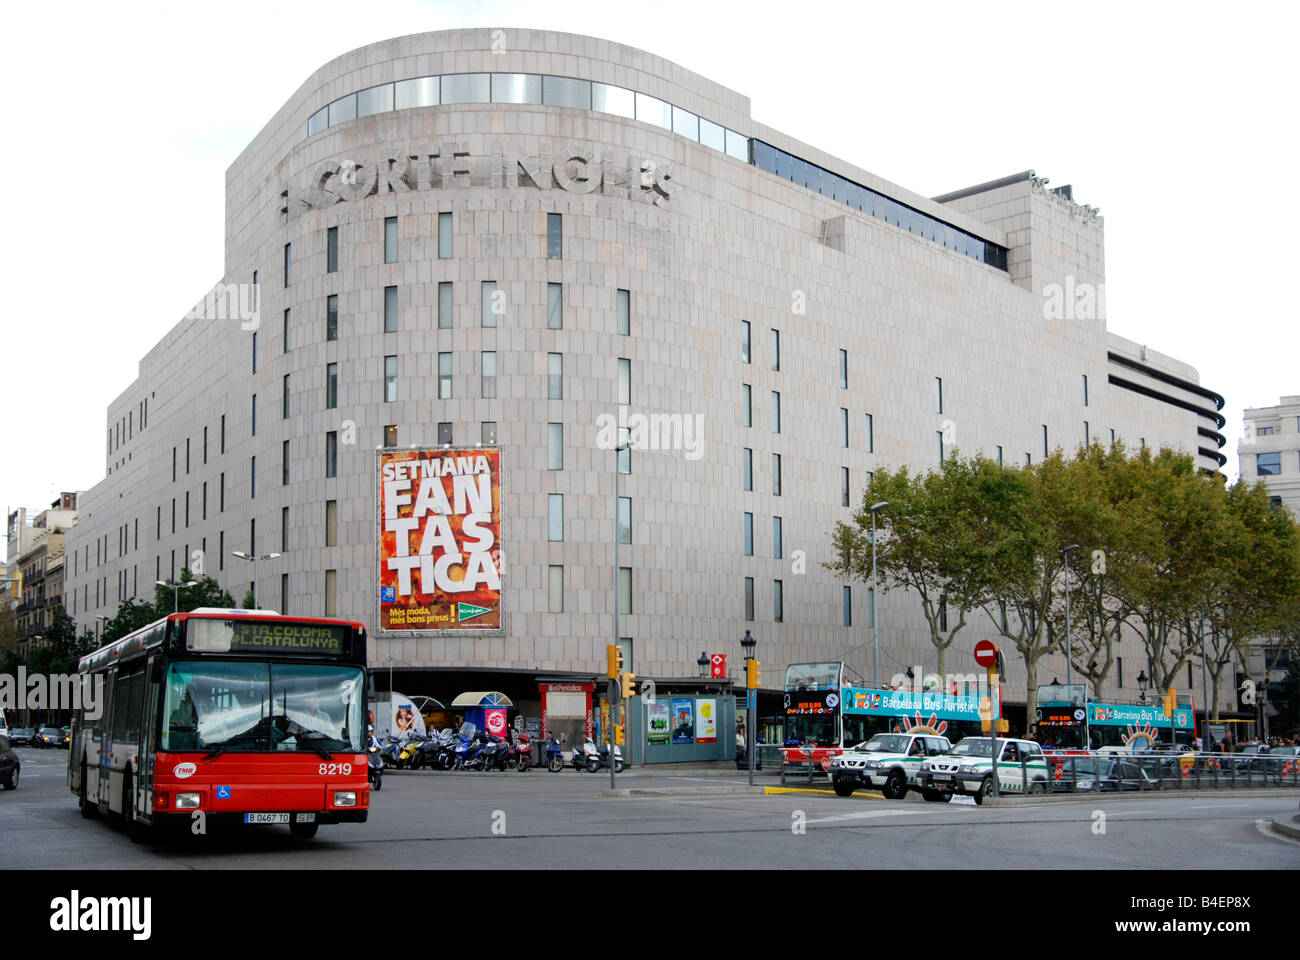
[(496, 721), (718, 665), (986, 655)]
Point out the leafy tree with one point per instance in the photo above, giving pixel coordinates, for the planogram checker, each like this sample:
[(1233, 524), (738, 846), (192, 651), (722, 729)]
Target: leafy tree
[(205, 592), (250, 602)]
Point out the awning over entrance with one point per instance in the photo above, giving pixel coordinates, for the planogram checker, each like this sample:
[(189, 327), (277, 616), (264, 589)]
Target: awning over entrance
[(482, 698)]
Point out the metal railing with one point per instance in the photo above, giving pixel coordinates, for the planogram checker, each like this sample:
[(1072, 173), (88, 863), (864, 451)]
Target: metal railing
[(1098, 772)]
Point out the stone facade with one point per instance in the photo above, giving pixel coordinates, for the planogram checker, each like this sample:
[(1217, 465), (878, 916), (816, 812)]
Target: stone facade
[(703, 242)]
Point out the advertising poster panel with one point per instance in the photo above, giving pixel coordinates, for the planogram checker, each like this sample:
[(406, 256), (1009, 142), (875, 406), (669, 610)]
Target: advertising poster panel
[(683, 720), (706, 728), (439, 549), (659, 721)]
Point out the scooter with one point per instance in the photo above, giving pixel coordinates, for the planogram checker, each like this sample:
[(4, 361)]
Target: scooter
[(582, 757), (523, 752), (602, 759), (554, 755)]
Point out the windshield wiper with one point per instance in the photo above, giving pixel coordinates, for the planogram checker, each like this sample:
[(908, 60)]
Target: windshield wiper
[(312, 741), (251, 733)]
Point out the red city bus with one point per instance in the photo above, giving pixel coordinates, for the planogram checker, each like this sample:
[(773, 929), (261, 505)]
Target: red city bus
[(246, 716)]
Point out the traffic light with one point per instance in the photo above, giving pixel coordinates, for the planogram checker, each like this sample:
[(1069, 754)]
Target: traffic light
[(618, 734), (613, 661), (1170, 701), (753, 674), (1004, 726), (629, 684)]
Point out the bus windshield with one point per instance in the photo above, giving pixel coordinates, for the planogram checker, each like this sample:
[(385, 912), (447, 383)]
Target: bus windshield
[(818, 728), (259, 707)]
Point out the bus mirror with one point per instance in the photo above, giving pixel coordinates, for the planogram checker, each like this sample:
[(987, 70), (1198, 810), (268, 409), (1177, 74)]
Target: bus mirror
[(157, 671)]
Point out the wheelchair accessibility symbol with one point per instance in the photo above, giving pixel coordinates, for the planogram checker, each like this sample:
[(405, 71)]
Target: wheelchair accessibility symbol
[(223, 793)]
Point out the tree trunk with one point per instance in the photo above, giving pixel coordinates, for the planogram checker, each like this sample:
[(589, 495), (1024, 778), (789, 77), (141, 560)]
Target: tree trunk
[(1031, 690)]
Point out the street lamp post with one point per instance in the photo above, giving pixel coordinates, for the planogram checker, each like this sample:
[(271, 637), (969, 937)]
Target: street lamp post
[(751, 703), (175, 587), (1069, 670), (875, 617), (244, 556), (615, 683), (1142, 686)]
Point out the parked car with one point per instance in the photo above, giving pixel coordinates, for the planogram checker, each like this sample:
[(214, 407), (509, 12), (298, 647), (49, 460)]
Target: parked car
[(9, 765), (21, 736), (1104, 774), (1282, 763), (48, 737), (968, 769), (1167, 761), (888, 762)]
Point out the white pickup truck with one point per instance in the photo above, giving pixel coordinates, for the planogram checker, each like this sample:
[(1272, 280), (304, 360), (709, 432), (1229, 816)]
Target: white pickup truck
[(888, 762), (968, 769)]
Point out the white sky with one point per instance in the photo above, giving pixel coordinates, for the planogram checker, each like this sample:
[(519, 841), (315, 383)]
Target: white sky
[(1177, 120)]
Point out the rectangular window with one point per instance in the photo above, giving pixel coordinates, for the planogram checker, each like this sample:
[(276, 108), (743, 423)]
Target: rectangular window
[(221, 494), (487, 432), (555, 446), (749, 534), (284, 463), (844, 369), (844, 427), (1119, 671), (444, 236), (284, 399), (1086, 431), (223, 433), (749, 598), (390, 435), (555, 588), (555, 516), (778, 548), (778, 601), (625, 455), (554, 236), (390, 240), (255, 351), (1112, 436), (555, 376), (492, 305), (390, 309), (938, 436), (554, 306), (444, 305), (625, 312), (187, 454), (871, 434), (1268, 464), (749, 468), (489, 368), (252, 477), (1045, 450), (776, 412), (848, 606), (775, 341), (332, 454), (999, 456), (744, 342), (938, 394), (331, 386), (288, 260), (624, 589), (624, 381), (203, 507), (205, 444), (776, 474), (254, 414), (1264, 432), (173, 464), (332, 317), (444, 376), (332, 250), (221, 552), (286, 330), (624, 519), (284, 593), (444, 433), (284, 529), (331, 523), (187, 523), (844, 486), (331, 592), (1085, 389), (747, 401)]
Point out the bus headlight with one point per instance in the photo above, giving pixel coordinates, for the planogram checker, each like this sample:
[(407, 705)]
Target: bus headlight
[(187, 801), (345, 798)]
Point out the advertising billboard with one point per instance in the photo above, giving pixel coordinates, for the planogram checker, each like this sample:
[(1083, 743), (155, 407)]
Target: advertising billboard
[(439, 553)]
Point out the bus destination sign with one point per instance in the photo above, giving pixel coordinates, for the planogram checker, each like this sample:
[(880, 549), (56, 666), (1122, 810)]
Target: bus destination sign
[(262, 636)]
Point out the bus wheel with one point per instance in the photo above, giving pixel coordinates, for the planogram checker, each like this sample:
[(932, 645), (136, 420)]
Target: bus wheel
[(303, 831), (88, 809), (895, 787)]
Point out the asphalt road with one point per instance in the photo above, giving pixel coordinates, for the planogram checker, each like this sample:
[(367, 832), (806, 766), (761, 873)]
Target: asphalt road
[(539, 819)]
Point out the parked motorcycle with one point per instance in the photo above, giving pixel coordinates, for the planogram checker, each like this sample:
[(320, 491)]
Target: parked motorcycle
[(578, 759), (388, 751), (554, 755), (469, 751), (602, 759), (523, 752)]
